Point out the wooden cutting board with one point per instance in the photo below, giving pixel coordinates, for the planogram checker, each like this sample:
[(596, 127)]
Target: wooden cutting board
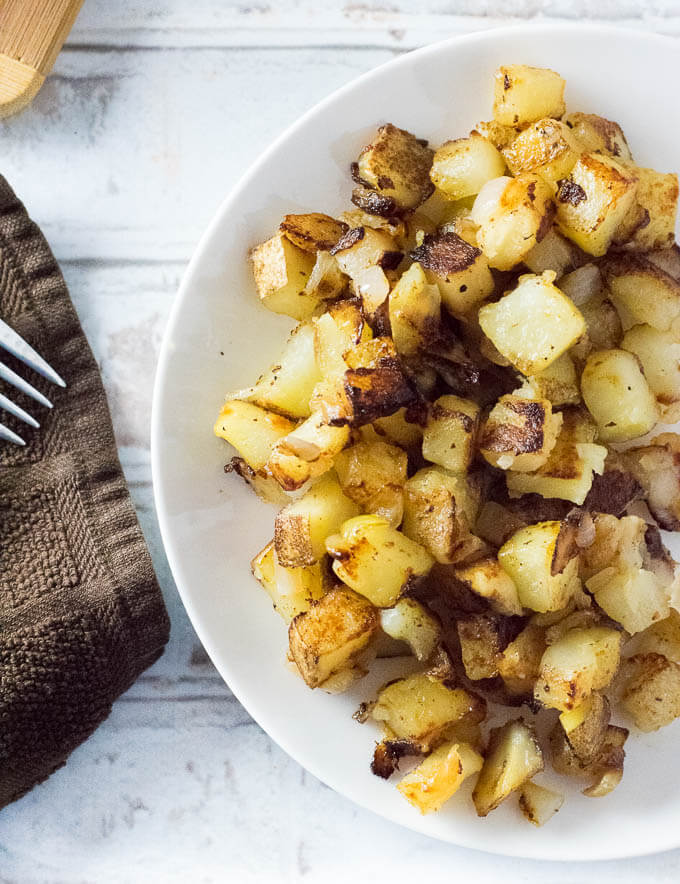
[(31, 34)]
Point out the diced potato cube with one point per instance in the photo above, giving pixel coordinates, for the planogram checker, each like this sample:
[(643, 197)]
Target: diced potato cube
[(539, 804), (326, 281), (287, 387), (513, 214), (423, 709), (450, 433), (529, 557), (547, 147), (523, 94), (439, 776), (657, 196), (582, 661), (513, 758), (554, 252), (281, 271), (558, 382), (532, 325), (411, 622), (292, 590), (603, 326), (458, 269), (651, 695), (606, 769), (439, 508), (659, 354), (301, 528), (372, 473), (251, 430), (396, 164), (594, 200), (376, 560), (306, 452), (495, 132), (312, 232), (461, 168), (487, 579), (657, 468), (480, 646), (597, 135), (520, 663), (519, 433), (327, 638), (399, 430), (414, 310), (586, 726), (618, 396), (663, 638), (634, 597), (642, 292)]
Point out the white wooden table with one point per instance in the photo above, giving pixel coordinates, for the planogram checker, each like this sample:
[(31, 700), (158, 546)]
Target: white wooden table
[(154, 109)]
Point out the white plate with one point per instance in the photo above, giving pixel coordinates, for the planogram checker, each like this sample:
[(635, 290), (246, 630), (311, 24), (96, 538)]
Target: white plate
[(218, 339)]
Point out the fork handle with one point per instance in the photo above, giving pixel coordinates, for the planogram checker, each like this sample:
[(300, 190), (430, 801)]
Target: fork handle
[(31, 34)]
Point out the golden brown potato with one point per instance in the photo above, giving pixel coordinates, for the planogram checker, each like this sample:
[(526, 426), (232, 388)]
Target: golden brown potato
[(372, 473), (462, 167), (618, 396), (594, 200), (642, 292), (495, 132), (396, 165), (450, 433), (539, 804), (306, 452), (439, 776), (597, 135), (439, 509), (546, 147), (651, 693), (328, 637), (458, 268), (519, 433), (616, 544), (281, 271), (523, 94), (657, 198), (633, 597), (512, 758), (606, 770), (301, 528), (487, 579), (532, 325), (414, 311), (398, 429), (375, 559), (513, 214), (423, 710), (313, 232), (662, 638), (252, 431), (520, 663), (480, 645), (292, 590), (586, 726)]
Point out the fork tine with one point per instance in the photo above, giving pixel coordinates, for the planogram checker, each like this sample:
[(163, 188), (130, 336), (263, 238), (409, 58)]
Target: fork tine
[(9, 436), (6, 374), (17, 346), (24, 416)]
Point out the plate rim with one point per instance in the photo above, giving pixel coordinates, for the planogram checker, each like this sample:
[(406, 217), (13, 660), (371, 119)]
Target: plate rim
[(229, 677)]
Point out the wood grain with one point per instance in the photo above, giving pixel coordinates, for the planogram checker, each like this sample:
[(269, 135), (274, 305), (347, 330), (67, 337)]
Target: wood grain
[(31, 34)]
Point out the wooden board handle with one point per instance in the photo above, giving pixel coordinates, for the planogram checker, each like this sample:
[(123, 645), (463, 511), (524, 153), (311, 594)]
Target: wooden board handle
[(31, 34)]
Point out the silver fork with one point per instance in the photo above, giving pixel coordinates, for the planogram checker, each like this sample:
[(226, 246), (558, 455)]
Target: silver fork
[(17, 346)]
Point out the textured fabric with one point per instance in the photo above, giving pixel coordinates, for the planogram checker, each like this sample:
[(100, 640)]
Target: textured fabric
[(81, 614)]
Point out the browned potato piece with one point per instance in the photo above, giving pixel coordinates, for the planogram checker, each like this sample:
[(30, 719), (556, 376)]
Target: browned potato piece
[(539, 804), (495, 132), (439, 776), (642, 292), (439, 509), (421, 709), (594, 200), (281, 272), (372, 473), (458, 268), (597, 135), (462, 167), (328, 637), (450, 433), (409, 621), (606, 769), (414, 311), (252, 431), (586, 726), (662, 638), (487, 579), (396, 165), (480, 646), (523, 94), (657, 197), (513, 757), (520, 663), (306, 452), (547, 147), (519, 433), (651, 693), (398, 429), (292, 590), (657, 468), (313, 232), (617, 544)]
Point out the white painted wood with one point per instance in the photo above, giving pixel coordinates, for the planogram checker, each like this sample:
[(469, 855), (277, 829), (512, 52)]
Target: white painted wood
[(179, 785)]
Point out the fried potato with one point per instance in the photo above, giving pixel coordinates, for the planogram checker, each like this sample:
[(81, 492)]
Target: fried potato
[(462, 167), (657, 198), (658, 353), (546, 147), (519, 664), (312, 232), (480, 645), (651, 694), (252, 431), (523, 94), (450, 433), (554, 252), (306, 452), (633, 597), (519, 433), (539, 804), (292, 590), (396, 165), (439, 776), (281, 272), (487, 579), (642, 292), (411, 622), (372, 473), (414, 311), (513, 758), (657, 468), (597, 135)]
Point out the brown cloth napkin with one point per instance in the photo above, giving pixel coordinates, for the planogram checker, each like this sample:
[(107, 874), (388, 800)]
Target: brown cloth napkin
[(81, 614)]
